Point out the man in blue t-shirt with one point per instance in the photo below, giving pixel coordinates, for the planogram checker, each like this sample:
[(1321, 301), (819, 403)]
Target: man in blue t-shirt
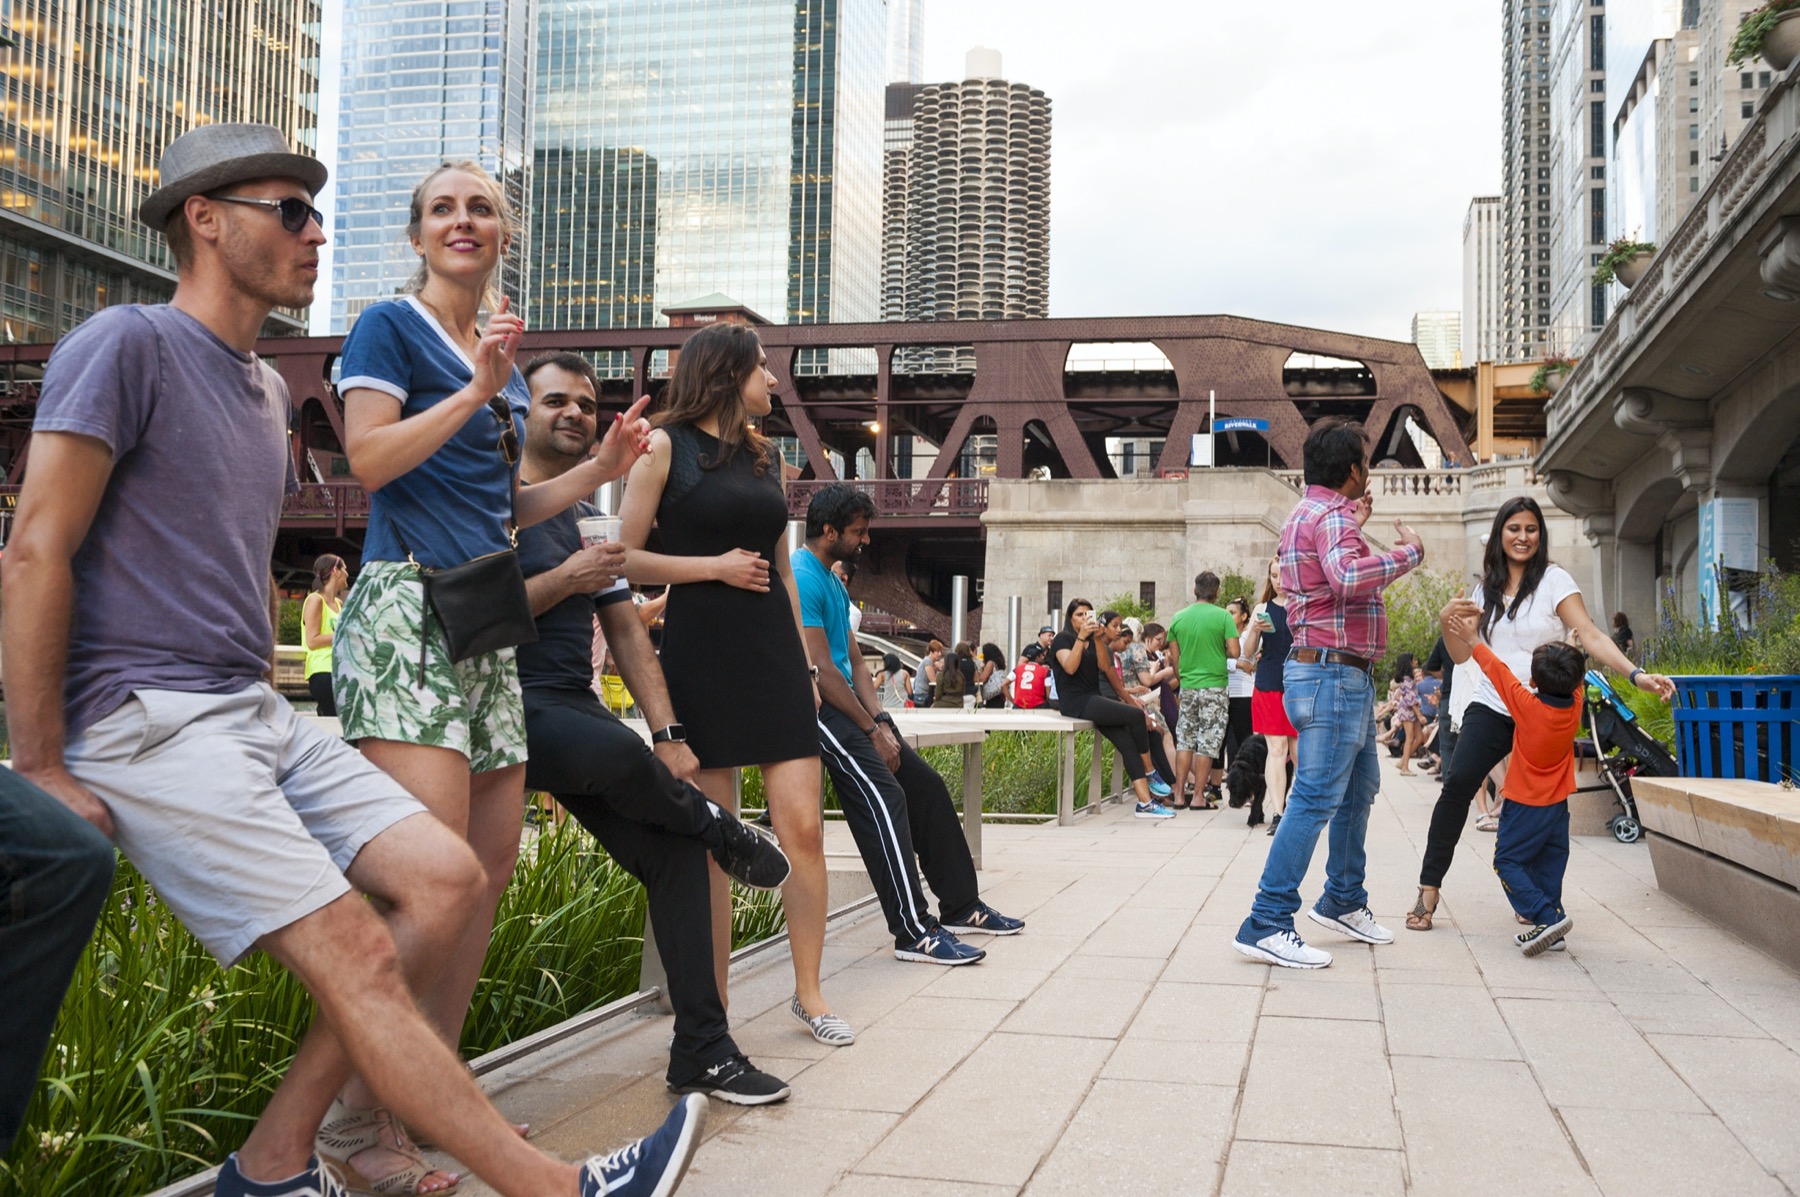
[(891, 798), (158, 463), (639, 802)]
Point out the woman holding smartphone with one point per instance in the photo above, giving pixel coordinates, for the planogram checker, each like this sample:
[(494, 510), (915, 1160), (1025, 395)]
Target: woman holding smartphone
[(1268, 636), (1073, 662)]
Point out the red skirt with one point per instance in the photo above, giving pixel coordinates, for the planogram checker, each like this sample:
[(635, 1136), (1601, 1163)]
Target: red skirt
[(1268, 717)]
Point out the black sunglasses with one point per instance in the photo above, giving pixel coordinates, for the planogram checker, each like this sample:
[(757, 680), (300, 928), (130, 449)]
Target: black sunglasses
[(294, 212), (509, 435)]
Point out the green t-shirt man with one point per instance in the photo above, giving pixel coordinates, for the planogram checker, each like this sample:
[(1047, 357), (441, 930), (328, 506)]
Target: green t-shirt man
[(1200, 632)]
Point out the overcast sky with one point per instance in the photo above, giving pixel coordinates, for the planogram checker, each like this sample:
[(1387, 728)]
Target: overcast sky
[(1304, 162)]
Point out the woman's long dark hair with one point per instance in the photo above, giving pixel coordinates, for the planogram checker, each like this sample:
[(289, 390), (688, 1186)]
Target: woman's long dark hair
[(1403, 667), (324, 565), (709, 382), (991, 652), (1494, 572)]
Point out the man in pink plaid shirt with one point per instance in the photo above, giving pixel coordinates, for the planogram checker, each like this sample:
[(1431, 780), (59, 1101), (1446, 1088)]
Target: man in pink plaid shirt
[(1333, 583)]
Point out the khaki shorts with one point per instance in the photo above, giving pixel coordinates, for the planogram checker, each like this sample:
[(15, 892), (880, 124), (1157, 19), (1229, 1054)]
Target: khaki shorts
[(474, 707), (1201, 729), (241, 814)]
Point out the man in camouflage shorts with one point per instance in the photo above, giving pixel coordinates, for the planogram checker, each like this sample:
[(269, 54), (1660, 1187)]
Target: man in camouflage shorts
[(1202, 641)]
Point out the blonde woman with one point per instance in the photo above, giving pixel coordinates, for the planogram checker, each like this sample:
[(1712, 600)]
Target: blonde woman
[(433, 416)]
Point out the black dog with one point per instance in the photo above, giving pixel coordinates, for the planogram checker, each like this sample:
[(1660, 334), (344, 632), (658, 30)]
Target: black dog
[(1244, 779)]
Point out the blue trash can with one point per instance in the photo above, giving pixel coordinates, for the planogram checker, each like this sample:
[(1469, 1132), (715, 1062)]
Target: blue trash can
[(1744, 726)]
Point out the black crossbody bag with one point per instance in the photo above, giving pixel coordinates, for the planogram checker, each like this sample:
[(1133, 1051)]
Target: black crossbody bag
[(480, 604)]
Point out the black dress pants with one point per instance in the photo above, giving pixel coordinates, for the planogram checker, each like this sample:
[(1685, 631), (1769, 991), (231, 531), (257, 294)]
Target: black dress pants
[(1485, 739), (658, 829), (1123, 724), (890, 815)]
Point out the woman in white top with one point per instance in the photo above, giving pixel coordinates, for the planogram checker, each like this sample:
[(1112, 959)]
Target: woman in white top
[(1523, 601)]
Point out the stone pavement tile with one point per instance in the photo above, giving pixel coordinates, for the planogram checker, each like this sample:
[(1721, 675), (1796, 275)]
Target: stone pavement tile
[(1776, 1013), (1295, 994), (1142, 1137), (927, 1012), (1213, 1013), (1206, 956), (777, 1149), (1091, 1007), (1139, 930), (1180, 1062), (984, 981), (1644, 970), (1136, 968), (1638, 1151), (860, 1185), (1033, 950), (1444, 1022), (1753, 1085), (1729, 965), (887, 1068), (1280, 1169), (1464, 1122), (1177, 891), (1503, 967), (778, 1035), (1701, 1013), (1038, 1080), (1588, 1054), (1314, 1080)]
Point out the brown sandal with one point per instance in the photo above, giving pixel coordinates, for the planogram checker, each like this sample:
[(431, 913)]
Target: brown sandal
[(1419, 917)]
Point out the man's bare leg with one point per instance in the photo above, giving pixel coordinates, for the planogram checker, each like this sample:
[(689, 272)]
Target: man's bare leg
[(351, 962)]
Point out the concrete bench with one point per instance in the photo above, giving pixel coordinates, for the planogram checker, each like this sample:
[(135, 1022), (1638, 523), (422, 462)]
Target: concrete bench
[(1731, 850)]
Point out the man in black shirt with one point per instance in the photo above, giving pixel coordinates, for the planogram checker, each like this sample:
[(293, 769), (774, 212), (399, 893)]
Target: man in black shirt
[(638, 802)]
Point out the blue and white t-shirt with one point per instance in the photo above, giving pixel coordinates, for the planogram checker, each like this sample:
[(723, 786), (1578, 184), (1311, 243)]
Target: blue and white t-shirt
[(452, 507)]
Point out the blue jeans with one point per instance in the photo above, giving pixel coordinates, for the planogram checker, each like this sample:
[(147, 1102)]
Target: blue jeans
[(1333, 709), (55, 873), (1531, 853)]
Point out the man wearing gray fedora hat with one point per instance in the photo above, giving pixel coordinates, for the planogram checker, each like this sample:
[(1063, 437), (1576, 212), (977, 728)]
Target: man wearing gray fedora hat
[(159, 459)]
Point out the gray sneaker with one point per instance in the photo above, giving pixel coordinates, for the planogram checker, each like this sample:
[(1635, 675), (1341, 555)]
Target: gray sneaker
[(1357, 924)]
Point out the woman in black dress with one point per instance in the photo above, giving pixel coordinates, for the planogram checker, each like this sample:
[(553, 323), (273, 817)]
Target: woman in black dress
[(712, 483)]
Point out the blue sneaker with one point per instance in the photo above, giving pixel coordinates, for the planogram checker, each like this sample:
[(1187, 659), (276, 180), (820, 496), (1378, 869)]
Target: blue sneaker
[(655, 1164), (1158, 786), (319, 1180), (939, 947), (983, 919), (1153, 810)]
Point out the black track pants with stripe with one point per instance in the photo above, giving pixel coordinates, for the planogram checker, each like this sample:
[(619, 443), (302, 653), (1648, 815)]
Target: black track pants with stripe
[(892, 813)]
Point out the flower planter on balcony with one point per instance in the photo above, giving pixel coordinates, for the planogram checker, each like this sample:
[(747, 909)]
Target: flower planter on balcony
[(1782, 45), (1553, 381), (1629, 272)]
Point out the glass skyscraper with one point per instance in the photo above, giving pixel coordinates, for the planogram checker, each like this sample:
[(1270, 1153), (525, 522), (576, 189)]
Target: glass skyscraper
[(93, 92), (689, 147), (424, 82)]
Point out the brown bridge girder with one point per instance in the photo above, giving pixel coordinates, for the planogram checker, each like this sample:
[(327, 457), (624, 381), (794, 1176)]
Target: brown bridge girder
[(1018, 381)]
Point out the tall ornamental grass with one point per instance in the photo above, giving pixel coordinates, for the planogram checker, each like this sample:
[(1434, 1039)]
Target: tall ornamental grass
[(161, 1060)]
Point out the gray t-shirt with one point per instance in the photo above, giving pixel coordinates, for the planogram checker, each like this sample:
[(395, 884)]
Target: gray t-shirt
[(172, 581)]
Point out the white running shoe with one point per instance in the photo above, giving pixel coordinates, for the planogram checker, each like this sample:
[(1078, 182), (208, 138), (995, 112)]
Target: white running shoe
[(1284, 948), (1357, 924)]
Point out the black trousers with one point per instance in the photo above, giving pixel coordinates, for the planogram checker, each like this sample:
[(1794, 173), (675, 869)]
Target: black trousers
[(319, 685), (659, 829), (55, 874), (1486, 738), (1237, 727), (892, 814), (1123, 724)]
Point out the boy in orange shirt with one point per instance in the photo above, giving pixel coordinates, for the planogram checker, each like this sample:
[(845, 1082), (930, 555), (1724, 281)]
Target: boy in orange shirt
[(1531, 849)]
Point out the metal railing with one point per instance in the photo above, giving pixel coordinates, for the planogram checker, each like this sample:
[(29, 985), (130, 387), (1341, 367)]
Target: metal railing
[(938, 497), (326, 501)]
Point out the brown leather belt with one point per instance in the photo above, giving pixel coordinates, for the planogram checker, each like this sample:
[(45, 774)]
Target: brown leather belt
[(1331, 656)]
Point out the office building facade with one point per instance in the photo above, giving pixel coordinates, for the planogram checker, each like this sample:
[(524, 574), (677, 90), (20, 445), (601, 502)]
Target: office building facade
[(1439, 338), (423, 84), (976, 210), (94, 93), (1481, 294), (1579, 129), (1525, 180), (687, 148)]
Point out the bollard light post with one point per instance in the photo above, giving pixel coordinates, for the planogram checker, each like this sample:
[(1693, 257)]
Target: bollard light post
[(959, 607)]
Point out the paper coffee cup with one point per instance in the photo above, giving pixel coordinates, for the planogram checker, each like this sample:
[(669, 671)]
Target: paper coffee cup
[(599, 529)]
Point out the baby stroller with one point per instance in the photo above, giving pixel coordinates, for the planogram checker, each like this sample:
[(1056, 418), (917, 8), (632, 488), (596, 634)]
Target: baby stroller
[(1621, 749)]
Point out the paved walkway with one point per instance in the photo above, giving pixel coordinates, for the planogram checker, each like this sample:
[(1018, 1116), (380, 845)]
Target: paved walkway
[(1121, 1046)]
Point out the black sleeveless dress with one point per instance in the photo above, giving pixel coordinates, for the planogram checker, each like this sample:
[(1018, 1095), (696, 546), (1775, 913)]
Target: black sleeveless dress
[(735, 665)]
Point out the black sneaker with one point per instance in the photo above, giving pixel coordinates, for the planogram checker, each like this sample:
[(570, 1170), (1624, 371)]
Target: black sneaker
[(983, 919), (735, 1079), (748, 856), (1535, 941)]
